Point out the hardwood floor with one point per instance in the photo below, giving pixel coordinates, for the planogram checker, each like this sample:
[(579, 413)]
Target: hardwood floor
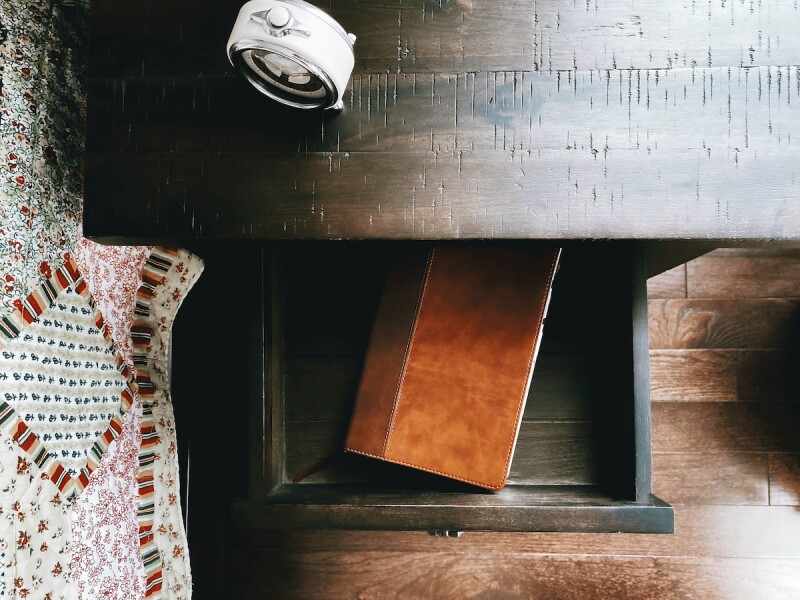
[(726, 454)]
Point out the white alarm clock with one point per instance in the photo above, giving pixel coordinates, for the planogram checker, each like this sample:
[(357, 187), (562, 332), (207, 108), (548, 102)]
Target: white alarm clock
[(293, 52)]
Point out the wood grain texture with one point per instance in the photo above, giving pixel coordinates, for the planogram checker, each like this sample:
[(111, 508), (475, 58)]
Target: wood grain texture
[(757, 532), (669, 284), (546, 454), (784, 479), (719, 478), (725, 427), (767, 375), (424, 196), (320, 388), (323, 388), (722, 323), (392, 36), (515, 508), (452, 35), (663, 35), (474, 119), (385, 574), (713, 119), (745, 277), (698, 375), (693, 375)]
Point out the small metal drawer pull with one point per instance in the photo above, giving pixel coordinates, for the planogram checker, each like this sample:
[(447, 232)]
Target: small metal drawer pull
[(452, 533)]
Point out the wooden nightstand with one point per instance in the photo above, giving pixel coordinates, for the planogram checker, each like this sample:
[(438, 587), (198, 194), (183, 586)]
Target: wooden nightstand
[(662, 131)]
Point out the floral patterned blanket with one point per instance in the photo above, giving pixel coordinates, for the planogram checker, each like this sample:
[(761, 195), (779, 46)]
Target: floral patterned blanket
[(89, 499)]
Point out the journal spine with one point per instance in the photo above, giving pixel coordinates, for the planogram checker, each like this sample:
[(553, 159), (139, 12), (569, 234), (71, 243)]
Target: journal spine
[(387, 356)]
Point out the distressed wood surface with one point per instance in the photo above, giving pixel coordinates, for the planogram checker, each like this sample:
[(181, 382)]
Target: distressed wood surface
[(463, 119), (465, 35)]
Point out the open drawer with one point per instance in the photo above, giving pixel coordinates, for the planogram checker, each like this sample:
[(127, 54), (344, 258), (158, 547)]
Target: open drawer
[(582, 461)]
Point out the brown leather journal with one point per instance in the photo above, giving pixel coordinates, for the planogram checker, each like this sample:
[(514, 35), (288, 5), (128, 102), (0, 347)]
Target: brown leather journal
[(450, 361)]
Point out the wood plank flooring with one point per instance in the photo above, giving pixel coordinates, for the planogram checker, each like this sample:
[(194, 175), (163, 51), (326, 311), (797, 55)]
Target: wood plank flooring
[(387, 574), (726, 440)]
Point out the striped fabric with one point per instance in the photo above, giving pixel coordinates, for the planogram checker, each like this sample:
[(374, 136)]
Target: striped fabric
[(156, 266), (66, 276), (33, 305)]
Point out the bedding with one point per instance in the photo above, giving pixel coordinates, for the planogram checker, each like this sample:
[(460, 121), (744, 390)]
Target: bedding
[(89, 492)]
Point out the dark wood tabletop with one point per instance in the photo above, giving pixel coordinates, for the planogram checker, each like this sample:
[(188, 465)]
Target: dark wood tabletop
[(668, 119)]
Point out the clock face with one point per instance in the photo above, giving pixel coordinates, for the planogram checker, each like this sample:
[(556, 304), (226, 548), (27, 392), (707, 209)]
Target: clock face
[(283, 78)]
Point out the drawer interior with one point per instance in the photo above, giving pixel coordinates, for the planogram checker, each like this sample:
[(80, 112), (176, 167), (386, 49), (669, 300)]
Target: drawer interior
[(581, 461)]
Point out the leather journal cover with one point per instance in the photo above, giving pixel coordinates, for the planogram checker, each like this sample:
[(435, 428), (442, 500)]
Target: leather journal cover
[(450, 361)]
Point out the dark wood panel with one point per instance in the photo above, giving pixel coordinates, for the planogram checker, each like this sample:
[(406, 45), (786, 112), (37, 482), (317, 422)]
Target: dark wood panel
[(157, 36), (669, 284), (638, 413), (504, 119), (555, 454), (469, 35), (722, 323), (384, 574), (393, 36), (320, 388), (546, 454), (718, 478), (784, 479), (745, 277), (434, 195), (308, 443), (575, 154), (659, 35), (323, 388), (348, 497), (559, 388), (700, 531), (331, 295), (725, 427), (332, 292), (235, 376), (597, 114), (267, 453), (515, 508)]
